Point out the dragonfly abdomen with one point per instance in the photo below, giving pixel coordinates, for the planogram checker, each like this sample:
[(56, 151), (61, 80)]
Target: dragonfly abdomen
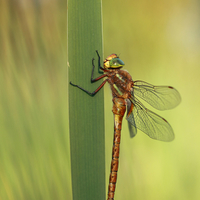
[(119, 108)]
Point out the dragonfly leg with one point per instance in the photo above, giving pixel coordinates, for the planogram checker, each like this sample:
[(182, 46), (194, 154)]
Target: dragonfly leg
[(99, 63), (90, 93), (98, 78)]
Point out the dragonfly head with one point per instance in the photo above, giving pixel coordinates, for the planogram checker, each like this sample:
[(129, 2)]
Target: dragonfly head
[(113, 62)]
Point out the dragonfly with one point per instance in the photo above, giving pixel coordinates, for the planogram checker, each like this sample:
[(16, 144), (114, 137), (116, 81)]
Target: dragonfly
[(124, 92)]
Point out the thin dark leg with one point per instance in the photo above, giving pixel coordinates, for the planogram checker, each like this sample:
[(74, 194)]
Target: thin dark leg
[(98, 78), (94, 79), (90, 93), (99, 63)]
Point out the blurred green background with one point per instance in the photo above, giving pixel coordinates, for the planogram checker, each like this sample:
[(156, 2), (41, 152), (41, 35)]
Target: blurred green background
[(34, 140), (159, 41)]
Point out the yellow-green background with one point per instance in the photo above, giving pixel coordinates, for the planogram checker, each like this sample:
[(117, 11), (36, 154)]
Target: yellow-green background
[(159, 41)]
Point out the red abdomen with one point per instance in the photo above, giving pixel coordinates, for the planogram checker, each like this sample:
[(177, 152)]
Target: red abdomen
[(119, 108)]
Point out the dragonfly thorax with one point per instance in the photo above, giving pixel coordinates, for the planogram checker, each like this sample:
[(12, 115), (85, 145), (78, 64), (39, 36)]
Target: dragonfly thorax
[(121, 83)]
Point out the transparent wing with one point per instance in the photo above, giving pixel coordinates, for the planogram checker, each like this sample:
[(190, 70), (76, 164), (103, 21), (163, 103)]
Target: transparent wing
[(131, 126), (150, 123), (160, 97), (132, 130)]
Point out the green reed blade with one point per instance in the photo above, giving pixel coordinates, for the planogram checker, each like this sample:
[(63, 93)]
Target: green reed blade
[(86, 113)]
